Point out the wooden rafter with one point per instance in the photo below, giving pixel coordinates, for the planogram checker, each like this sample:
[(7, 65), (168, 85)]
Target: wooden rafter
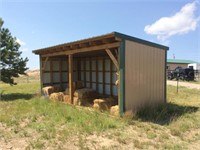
[(112, 57), (85, 49), (45, 63)]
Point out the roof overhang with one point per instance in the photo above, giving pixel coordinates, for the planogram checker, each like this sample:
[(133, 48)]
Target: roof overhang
[(107, 41)]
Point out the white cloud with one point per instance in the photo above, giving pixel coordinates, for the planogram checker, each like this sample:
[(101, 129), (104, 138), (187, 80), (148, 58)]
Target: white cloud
[(23, 47), (22, 43), (181, 22)]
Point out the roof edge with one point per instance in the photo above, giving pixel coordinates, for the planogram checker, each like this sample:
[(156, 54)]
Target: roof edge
[(138, 40)]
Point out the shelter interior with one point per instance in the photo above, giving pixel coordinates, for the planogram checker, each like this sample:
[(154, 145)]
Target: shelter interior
[(94, 62), (95, 70)]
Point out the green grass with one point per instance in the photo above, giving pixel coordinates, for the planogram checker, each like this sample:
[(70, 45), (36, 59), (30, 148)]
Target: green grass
[(43, 123)]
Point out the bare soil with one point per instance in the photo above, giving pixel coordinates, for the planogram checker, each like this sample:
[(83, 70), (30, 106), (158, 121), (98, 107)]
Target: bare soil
[(184, 84)]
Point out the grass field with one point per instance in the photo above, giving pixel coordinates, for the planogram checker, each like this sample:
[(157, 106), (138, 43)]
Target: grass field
[(28, 121)]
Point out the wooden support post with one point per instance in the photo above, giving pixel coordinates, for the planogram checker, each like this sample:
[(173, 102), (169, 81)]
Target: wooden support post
[(71, 92), (112, 57), (41, 75)]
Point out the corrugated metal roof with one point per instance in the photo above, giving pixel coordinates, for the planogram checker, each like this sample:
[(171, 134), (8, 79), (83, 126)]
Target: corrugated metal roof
[(180, 61)]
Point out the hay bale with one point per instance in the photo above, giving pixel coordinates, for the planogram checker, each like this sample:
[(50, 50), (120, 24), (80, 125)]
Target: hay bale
[(47, 90), (82, 102), (76, 101), (114, 110), (85, 93), (101, 104), (104, 104), (57, 96), (66, 99)]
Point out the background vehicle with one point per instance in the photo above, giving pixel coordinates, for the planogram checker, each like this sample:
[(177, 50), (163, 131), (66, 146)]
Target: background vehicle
[(182, 74)]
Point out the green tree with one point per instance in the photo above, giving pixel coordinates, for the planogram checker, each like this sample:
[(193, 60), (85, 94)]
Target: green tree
[(11, 62)]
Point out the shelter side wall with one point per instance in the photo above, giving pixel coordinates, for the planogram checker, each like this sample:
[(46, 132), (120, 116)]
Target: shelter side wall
[(144, 76)]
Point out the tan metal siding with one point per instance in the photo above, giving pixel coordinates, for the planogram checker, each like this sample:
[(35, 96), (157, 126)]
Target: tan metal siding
[(144, 76)]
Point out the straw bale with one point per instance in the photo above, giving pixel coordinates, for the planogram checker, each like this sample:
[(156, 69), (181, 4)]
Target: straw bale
[(85, 93), (114, 110), (105, 103), (82, 101), (57, 96), (47, 90), (101, 104), (67, 99)]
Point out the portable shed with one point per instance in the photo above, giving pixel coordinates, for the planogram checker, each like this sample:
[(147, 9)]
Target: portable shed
[(139, 66)]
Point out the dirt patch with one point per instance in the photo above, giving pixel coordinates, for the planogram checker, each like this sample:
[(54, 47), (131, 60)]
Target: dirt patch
[(185, 84)]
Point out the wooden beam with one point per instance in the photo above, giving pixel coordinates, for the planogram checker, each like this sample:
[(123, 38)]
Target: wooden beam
[(41, 75), (85, 49), (71, 92), (45, 63), (112, 57)]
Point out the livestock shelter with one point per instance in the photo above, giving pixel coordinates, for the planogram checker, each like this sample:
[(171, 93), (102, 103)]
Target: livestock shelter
[(138, 66)]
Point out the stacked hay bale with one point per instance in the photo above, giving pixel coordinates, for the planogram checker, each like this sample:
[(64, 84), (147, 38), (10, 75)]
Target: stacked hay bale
[(67, 99), (76, 85), (101, 104), (104, 104), (47, 91), (114, 110), (57, 96), (84, 96)]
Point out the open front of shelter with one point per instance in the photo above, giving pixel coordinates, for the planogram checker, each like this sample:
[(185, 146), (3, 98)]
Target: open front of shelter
[(130, 70)]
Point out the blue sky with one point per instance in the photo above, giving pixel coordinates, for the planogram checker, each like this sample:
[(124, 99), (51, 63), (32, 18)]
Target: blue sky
[(41, 23)]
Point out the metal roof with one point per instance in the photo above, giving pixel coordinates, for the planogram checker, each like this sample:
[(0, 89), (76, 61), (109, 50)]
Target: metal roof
[(98, 40), (180, 61)]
